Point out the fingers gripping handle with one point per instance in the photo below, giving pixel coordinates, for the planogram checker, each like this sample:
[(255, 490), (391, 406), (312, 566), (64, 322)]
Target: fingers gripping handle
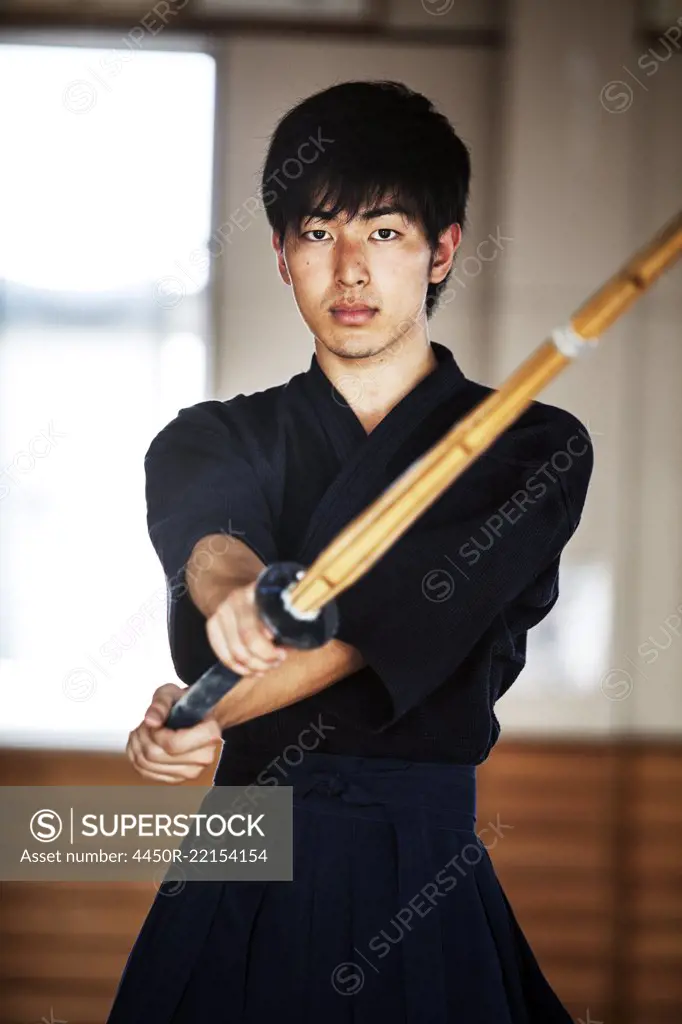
[(201, 696), (302, 631)]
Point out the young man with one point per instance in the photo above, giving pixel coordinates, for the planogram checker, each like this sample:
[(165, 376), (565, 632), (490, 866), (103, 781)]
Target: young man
[(395, 913)]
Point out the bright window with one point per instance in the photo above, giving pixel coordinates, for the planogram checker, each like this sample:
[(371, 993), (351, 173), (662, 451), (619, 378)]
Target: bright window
[(105, 211)]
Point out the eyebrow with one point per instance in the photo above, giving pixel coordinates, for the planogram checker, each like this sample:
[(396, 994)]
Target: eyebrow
[(372, 214)]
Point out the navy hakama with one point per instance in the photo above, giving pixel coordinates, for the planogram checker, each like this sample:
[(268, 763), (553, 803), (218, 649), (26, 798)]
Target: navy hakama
[(394, 914)]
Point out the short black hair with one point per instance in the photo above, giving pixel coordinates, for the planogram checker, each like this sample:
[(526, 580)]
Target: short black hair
[(345, 148)]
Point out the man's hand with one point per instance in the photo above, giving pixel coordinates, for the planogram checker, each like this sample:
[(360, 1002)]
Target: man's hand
[(239, 638), (171, 755)]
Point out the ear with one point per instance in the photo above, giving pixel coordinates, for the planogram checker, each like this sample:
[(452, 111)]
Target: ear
[(448, 243), (278, 246)]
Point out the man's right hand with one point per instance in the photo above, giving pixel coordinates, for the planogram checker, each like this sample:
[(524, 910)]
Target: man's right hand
[(171, 755), (238, 636)]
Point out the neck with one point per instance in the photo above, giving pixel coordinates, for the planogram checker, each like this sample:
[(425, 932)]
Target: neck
[(373, 384)]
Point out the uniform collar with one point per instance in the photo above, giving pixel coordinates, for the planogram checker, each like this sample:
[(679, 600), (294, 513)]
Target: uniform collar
[(340, 421)]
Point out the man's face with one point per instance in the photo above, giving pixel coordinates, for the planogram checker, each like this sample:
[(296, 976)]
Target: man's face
[(378, 259)]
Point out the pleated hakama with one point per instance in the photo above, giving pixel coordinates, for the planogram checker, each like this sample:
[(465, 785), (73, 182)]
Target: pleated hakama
[(395, 914)]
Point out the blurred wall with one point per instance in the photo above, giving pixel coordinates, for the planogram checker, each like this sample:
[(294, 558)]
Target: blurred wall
[(593, 166)]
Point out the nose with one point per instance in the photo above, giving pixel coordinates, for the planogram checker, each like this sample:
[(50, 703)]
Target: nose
[(351, 265)]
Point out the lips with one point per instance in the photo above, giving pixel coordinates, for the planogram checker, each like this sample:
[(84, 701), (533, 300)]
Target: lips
[(353, 314)]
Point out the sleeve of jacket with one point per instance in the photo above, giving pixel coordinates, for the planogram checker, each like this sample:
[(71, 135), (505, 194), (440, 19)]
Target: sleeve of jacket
[(488, 550), (199, 482)]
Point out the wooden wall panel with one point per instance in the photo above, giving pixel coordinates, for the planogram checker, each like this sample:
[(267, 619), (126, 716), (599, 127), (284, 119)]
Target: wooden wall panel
[(652, 868), (591, 863), (63, 945), (555, 862)]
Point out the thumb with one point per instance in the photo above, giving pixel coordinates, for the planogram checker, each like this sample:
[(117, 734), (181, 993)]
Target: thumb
[(162, 702)]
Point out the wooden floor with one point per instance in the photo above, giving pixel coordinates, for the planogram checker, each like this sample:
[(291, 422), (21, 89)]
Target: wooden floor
[(592, 864)]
